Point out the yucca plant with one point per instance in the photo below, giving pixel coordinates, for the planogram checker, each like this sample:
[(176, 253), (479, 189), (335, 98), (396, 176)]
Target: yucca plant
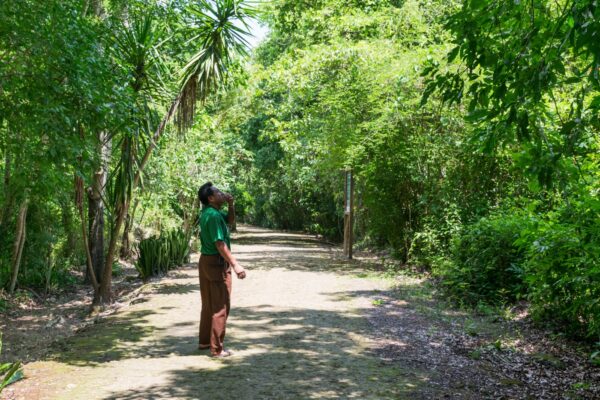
[(218, 30), (9, 372), (152, 256), (179, 246), (160, 254)]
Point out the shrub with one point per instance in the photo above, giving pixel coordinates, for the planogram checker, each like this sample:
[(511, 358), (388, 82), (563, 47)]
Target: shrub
[(430, 246), (563, 268), (159, 254), (486, 262)]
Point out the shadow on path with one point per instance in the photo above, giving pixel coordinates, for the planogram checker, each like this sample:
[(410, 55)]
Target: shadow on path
[(287, 354)]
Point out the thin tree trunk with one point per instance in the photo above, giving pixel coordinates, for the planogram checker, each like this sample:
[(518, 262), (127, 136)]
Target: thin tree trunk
[(88, 256), (94, 242), (155, 138), (6, 179), (6, 169), (189, 219), (126, 241), (18, 245)]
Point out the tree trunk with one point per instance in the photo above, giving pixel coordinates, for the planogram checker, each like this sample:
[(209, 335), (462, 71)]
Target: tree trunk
[(96, 195), (94, 239), (104, 295), (126, 241), (96, 223), (155, 138), (6, 168), (67, 221), (79, 193), (18, 245)]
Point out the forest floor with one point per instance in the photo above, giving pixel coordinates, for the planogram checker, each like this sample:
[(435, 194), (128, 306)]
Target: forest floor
[(305, 324)]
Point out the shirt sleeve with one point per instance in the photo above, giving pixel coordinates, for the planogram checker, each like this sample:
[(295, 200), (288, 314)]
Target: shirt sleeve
[(216, 230)]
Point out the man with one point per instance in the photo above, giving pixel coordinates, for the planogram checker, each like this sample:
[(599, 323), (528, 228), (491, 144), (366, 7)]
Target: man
[(214, 268)]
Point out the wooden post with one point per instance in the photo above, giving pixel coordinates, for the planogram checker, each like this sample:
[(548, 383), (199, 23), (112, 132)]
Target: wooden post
[(348, 213)]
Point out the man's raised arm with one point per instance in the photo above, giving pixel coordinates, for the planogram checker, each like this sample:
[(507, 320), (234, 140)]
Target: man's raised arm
[(230, 210)]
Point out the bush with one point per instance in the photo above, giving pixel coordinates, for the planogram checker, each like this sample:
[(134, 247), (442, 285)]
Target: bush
[(159, 254), (552, 259), (430, 246), (563, 268), (486, 263)]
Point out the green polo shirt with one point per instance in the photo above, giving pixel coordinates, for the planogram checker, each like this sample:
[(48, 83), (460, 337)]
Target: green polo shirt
[(213, 227)]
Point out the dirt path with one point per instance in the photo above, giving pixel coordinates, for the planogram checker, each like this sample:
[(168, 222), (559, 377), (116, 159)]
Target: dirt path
[(305, 324), (297, 328)]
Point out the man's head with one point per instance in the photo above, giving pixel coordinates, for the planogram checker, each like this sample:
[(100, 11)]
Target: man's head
[(210, 195)]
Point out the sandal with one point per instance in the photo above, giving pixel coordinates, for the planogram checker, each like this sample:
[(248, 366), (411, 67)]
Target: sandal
[(224, 353)]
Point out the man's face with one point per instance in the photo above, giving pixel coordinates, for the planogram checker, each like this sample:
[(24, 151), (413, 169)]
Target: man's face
[(217, 198)]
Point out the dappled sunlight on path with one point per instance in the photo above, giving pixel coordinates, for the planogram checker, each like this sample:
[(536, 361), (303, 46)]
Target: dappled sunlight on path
[(298, 330)]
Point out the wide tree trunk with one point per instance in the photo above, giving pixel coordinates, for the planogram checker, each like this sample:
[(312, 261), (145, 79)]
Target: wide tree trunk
[(79, 195), (96, 197), (18, 244), (96, 223), (104, 295)]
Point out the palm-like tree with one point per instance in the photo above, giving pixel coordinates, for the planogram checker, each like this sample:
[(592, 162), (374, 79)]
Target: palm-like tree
[(218, 29)]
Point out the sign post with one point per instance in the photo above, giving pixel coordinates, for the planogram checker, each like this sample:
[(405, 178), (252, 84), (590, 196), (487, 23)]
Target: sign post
[(348, 213)]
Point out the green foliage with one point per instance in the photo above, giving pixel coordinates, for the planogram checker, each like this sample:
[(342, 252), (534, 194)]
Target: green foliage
[(244, 202), (563, 266), (529, 74), (86, 82), (431, 245), (157, 255), (550, 258), (487, 264), (9, 372), (337, 84), (117, 269), (595, 358)]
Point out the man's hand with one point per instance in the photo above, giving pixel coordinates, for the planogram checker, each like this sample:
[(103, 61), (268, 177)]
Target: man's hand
[(240, 271)]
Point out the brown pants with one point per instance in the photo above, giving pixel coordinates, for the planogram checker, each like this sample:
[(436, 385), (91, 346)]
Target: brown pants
[(215, 292)]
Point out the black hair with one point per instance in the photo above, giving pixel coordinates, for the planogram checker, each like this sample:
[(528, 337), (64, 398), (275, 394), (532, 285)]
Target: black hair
[(205, 191)]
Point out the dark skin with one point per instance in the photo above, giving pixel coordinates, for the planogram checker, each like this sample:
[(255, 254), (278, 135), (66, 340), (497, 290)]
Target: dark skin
[(216, 200)]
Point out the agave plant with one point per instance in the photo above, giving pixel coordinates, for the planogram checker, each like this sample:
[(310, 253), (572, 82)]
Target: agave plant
[(160, 254), (179, 247), (9, 372)]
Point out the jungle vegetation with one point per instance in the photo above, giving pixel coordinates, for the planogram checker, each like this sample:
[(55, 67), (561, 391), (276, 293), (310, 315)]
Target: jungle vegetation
[(471, 127)]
